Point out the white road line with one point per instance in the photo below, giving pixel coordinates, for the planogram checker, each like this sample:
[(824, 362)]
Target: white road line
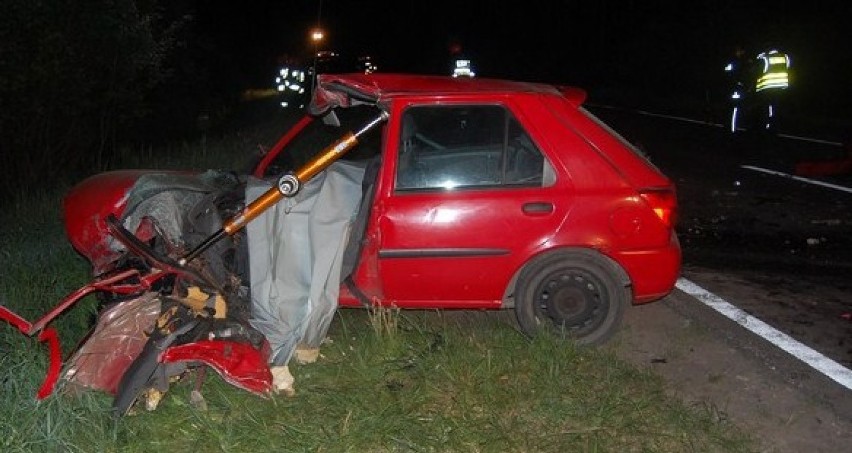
[(810, 139), (799, 178), (658, 115), (677, 118), (690, 120), (812, 358)]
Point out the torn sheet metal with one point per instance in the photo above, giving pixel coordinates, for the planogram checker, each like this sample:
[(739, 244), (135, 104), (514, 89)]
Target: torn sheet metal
[(168, 197), (239, 364)]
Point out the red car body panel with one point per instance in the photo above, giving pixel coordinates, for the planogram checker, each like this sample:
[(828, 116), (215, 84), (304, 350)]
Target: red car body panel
[(88, 204), (463, 249), (239, 364)]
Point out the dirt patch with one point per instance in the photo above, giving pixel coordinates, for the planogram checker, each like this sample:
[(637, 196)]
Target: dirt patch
[(709, 361)]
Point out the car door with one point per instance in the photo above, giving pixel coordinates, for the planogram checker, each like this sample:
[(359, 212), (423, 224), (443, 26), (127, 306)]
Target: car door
[(472, 197)]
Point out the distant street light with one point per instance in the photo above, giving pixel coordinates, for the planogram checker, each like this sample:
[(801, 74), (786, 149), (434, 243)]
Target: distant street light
[(317, 35)]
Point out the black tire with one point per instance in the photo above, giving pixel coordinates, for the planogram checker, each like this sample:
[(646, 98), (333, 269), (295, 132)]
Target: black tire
[(579, 294)]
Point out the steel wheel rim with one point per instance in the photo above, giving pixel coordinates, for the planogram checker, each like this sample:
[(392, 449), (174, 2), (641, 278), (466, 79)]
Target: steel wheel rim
[(573, 300)]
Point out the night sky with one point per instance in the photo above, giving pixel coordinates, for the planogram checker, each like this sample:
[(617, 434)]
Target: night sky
[(643, 45)]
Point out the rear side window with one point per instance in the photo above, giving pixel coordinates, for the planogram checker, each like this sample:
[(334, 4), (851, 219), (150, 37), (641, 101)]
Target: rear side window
[(448, 147)]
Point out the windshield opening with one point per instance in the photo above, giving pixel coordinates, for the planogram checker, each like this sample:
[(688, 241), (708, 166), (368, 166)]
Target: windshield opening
[(318, 135)]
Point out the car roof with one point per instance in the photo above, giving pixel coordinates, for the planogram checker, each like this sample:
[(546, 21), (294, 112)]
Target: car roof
[(343, 89)]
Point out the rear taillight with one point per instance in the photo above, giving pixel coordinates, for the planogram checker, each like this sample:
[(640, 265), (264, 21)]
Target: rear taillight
[(663, 201)]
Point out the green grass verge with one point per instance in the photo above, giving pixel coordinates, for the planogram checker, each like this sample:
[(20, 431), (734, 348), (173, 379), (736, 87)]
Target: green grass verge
[(387, 381)]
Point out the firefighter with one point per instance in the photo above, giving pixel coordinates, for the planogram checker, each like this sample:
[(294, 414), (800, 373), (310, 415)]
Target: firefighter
[(292, 85), (773, 80)]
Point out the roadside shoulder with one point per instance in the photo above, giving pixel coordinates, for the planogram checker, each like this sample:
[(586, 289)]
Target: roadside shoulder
[(709, 360)]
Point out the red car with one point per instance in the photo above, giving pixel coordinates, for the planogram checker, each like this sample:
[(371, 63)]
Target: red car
[(467, 194)]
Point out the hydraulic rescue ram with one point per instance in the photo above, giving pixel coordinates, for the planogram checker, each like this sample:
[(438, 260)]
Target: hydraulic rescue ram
[(130, 281), (288, 186)]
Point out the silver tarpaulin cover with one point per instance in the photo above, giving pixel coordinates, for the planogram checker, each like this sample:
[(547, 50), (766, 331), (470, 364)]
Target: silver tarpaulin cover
[(295, 255)]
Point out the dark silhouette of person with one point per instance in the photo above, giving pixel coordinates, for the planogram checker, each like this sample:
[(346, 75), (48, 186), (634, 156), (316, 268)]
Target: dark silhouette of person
[(741, 77)]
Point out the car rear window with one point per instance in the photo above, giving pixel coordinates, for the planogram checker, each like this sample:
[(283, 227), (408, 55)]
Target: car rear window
[(638, 152)]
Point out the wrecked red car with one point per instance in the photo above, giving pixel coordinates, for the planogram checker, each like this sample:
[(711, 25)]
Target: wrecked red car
[(412, 192)]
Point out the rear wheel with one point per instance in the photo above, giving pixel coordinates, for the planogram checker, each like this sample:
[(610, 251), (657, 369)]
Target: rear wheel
[(578, 294)]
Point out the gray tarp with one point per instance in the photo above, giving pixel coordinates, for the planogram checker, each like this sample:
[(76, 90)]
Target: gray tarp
[(295, 256)]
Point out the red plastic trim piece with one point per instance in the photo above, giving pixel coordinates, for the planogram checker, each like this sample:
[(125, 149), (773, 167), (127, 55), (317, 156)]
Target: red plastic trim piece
[(48, 336), (239, 364), (22, 324)]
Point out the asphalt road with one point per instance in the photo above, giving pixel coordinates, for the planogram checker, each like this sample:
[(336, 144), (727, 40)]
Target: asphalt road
[(777, 252)]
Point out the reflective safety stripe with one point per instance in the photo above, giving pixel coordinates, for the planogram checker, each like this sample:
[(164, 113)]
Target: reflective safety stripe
[(775, 76), (778, 59), (773, 80)]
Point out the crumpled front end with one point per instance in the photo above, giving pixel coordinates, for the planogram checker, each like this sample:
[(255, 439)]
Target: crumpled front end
[(164, 320), (118, 343), (169, 254), (149, 203)]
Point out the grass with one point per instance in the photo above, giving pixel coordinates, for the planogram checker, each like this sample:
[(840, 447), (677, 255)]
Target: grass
[(388, 380)]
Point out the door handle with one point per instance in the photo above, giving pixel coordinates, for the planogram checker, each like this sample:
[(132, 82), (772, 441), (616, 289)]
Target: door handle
[(537, 208)]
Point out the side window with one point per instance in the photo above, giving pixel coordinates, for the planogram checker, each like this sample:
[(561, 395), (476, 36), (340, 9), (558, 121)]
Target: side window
[(446, 147)]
